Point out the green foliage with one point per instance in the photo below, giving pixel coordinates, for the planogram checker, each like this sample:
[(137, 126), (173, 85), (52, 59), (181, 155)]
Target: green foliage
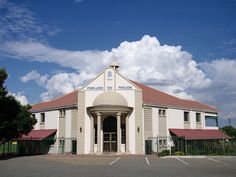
[(229, 130), (163, 153), (179, 153), (15, 119)]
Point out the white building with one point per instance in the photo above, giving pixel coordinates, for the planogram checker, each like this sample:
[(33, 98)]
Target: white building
[(114, 114)]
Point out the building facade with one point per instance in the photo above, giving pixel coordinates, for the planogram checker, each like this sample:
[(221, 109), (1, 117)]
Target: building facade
[(112, 114)]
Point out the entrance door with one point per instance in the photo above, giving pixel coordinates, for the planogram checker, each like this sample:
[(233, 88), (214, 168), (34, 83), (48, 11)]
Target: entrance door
[(109, 142), (109, 134)]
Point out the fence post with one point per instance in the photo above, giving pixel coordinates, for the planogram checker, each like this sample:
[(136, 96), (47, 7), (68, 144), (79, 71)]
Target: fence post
[(223, 147), (185, 143)]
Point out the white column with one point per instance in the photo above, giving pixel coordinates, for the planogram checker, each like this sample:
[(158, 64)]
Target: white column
[(118, 133), (127, 134), (92, 135), (98, 133)]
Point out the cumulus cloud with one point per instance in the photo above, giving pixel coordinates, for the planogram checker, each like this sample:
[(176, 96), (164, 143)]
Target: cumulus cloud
[(35, 76), (57, 84), (222, 91), (167, 67), (20, 97)]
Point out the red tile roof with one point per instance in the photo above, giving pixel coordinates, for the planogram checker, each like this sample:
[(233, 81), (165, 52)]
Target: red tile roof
[(156, 97), (38, 134), (199, 134), (70, 99), (150, 96)]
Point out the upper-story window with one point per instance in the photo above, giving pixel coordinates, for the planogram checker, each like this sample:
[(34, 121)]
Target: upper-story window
[(62, 113), (211, 121), (162, 112), (42, 117), (186, 116), (198, 117)]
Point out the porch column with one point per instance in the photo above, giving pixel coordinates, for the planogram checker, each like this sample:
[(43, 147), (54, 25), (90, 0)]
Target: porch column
[(92, 135), (127, 134), (98, 133), (118, 133)]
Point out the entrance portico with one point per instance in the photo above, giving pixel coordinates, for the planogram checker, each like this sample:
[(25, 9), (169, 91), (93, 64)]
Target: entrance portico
[(107, 107)]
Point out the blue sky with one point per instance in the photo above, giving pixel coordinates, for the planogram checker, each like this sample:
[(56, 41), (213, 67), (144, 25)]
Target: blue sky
[(185, 48)]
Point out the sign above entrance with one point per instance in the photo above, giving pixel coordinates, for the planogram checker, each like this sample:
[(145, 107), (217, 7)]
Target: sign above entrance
[(125, 87), (95, 88)]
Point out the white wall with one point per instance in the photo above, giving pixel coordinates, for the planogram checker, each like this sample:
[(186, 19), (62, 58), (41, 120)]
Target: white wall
[(175, 119), (192, 119), (37, 125), (155, 121), (52, 119)]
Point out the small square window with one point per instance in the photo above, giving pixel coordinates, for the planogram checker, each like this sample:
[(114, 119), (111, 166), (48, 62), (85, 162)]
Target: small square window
[(186, 116), (198, 117), (62, 113), (161, 112), (42, 117)]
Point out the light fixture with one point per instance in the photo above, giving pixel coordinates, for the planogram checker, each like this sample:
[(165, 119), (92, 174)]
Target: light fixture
[(138, 129), (80, 129)]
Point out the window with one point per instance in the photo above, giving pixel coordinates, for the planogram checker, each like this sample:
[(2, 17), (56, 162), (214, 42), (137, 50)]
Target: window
[(198, 117), (62, 113), (211, 121), (42, 117), (186, 116), (162, 112)]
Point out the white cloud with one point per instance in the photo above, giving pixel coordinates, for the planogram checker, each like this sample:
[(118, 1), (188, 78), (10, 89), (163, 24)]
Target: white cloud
[(168, 67), (20, 97), (222, 91), (19, 23), (35, 76), (58, 84)]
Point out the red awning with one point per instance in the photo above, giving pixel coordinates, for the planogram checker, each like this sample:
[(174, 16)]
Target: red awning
[(199, 134), (38, 134)]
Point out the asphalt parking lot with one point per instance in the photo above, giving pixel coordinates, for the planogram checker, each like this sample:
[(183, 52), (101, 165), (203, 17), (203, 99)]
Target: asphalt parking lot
[(117, 166)]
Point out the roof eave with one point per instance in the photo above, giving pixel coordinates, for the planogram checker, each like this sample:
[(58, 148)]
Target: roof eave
[(55, 108)]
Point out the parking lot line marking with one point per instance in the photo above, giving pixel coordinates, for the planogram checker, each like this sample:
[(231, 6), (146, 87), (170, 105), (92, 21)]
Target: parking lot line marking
[(214, 160), (147, 160), (114, 161), (182, 161)]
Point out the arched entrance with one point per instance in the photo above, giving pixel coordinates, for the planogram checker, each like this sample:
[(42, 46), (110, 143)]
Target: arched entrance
[(110, 134)]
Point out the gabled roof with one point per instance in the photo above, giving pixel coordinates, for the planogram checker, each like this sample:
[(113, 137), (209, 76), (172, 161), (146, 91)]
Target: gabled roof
[(199, 134), (150, 96), (38, 134), (156, 97), (71, 99)]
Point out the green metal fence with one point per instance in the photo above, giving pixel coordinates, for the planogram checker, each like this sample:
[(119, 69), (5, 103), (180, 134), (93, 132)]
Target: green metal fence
[(28, 147), (204, 147), (9, 148), (181, 146)]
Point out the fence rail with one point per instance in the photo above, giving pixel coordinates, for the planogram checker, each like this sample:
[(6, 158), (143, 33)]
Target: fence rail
[(182, 146)]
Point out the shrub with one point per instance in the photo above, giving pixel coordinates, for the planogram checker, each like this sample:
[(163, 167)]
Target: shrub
[(179, 153), (163, 153)]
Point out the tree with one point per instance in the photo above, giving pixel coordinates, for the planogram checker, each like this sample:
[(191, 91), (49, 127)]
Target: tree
[(15, 119), (229, 130)]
